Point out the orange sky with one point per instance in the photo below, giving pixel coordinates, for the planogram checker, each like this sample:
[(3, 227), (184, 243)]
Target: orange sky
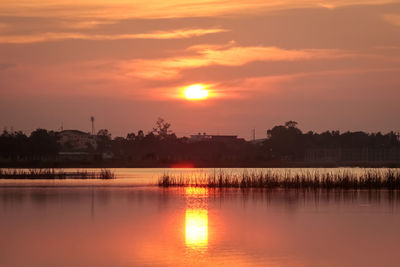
[(326, 64)]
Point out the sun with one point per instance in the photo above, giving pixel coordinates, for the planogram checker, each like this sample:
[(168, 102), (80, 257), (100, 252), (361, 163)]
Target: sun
[(196, 92)]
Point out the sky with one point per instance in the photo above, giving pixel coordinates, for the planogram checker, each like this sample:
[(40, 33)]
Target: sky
[(328, 64)]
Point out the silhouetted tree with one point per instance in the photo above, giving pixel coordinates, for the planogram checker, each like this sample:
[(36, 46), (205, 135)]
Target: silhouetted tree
[(140, 135), (283, 140), (161, 145), (43, 143), (291, 124), (162, 129), (131, 137), (14, 145), (103, 139)]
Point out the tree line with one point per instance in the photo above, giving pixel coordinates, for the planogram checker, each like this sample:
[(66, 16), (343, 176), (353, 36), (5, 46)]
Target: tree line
[(161, 144), (289, 141)]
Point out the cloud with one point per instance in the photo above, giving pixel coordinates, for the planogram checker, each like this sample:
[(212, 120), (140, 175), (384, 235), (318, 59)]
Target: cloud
[(58, 36), (4, 66), (254, 87), (393, 19), (85, 24), (257, 83), (167, 68), (123, 9)]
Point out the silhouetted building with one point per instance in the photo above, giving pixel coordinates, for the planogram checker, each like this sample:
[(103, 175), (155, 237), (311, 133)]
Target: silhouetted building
[(258, 141), (76, 140), (199, 137), (215, 138)]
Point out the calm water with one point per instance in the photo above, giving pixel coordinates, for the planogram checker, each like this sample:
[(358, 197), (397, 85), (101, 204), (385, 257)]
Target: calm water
[(128, 223)]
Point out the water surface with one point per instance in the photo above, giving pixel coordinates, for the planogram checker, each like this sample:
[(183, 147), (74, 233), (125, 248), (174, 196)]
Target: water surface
[(114, 225)]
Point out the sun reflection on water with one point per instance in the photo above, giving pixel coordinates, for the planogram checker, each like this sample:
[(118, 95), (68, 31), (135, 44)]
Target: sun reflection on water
[(195, 192), (196, 228), (196, 219)]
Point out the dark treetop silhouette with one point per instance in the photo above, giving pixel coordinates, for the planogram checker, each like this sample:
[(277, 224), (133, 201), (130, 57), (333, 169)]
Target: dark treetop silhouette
[(285, 145)]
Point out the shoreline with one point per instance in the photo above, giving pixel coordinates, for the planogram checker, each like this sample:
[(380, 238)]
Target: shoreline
[(155, 164)]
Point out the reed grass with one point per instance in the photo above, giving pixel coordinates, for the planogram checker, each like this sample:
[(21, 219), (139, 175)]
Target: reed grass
[(371, 179), (55, 174)]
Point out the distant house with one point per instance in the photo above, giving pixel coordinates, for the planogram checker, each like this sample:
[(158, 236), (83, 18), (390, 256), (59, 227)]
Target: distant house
[(214, 138), (258, 141), (199, 137), (75, 140)]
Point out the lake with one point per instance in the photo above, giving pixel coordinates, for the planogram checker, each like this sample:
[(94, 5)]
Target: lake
[(131, 222)]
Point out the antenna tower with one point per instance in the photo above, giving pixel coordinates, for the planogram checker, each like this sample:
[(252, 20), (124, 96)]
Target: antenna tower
[(92, 121)]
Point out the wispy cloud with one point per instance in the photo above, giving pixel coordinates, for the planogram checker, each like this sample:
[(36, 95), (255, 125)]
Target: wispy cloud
[(4, 66), (57, 36), (120, 9), (167, 68), (3, 26), (85, 23), (250, 87), (393, 19), (257, 83)]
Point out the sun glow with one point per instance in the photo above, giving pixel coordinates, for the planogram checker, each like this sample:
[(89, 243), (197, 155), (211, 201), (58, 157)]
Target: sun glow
[(196, 92), (196, 228)]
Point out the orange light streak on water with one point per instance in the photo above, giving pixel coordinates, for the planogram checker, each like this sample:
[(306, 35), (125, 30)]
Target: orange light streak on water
[(196, 226), (196, 218)]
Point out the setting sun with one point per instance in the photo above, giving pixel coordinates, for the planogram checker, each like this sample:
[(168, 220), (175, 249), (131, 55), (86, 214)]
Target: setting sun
[(196, 92)]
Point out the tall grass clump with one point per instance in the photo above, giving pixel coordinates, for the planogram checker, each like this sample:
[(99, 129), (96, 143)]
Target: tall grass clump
[(54, 174), (369, 179), (106, 174)]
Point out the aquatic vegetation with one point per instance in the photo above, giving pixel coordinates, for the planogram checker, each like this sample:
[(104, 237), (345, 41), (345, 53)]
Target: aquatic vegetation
[(368, 179), (54, 174), (106, 174)]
